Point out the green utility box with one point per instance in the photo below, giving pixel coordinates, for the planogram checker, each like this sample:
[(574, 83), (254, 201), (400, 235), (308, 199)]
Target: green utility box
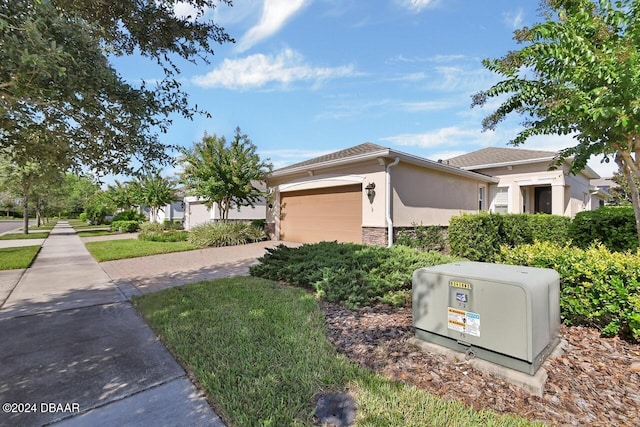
[(505, 314)]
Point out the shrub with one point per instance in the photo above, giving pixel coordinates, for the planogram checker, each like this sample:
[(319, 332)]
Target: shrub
[(479, 237), (83, 217), (354, 275), (164, 236), (151, 227), (225, 234), (613, 226), (599, 288), (125, 226), (128, 216), (426, 238), (172, 225)]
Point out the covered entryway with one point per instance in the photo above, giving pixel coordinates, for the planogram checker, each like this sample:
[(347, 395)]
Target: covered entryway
[(333, 213)]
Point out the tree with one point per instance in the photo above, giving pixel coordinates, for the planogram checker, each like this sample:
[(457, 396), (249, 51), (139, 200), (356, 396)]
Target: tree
[(155, 192), (122, 195), (223, 174), (60, 99), (27, 181), (578, 74)]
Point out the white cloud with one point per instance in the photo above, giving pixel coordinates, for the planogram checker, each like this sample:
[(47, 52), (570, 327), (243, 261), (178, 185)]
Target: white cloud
[(513, 19), (258, 70), (417, 5), (414, 107), (275, 13), (450, 136)]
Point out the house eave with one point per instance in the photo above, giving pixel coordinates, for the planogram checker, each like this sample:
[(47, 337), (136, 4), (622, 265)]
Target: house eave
[(386, 154)]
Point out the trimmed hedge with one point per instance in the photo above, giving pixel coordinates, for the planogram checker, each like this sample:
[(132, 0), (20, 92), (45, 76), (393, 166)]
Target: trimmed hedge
[(352, 274), (125, 226), (478, 237), (129, 216), (599, 288), (613, 226)]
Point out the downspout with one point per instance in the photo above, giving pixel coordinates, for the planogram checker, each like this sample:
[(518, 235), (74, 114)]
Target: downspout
[(388, 203)]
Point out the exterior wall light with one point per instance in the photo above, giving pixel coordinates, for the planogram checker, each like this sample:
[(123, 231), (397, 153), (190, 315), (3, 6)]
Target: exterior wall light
[(371, 191)]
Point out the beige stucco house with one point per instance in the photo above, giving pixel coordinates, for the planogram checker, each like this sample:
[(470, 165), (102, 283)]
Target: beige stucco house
[(197, 213), (362, 193), (525, 183)]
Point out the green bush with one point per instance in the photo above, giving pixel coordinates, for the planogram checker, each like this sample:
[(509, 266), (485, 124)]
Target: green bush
[(599, 288), (354, 275), (128, 216), (426, 238), (151, 227), (478, 237), (125, 226), (613, 226), (83, 217), (172, 225), (225, 234), (164, 236)]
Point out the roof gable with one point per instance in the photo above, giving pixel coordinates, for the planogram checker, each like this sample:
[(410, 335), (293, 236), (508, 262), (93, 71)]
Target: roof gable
[(492, 156), (355, 151)]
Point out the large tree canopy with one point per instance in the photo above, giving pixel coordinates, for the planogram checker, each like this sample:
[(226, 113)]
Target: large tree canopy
[(578, 74), (60, 99)]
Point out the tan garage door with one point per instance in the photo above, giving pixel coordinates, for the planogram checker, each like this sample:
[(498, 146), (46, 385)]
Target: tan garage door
[(333, 213)]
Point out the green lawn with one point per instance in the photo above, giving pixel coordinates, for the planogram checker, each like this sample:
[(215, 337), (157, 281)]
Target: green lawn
[(109, 250), (91, 233), (14, 258), (20, 236), (259, 351)]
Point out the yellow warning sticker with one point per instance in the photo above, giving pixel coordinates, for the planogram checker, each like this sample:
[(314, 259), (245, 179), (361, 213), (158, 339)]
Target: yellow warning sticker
[(463, 321)]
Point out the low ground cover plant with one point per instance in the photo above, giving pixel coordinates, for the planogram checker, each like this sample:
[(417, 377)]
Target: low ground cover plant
[(258, 350), (352, 274), (599, 288), (226, 234)]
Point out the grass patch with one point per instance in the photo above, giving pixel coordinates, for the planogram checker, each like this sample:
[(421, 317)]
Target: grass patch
[(14, 258), (132, 248), (21, 236), (259, 351), (83, 225), (92, 233)]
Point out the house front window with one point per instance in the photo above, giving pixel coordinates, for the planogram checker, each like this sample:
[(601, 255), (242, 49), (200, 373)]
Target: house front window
[(481, 191), (501, 201)]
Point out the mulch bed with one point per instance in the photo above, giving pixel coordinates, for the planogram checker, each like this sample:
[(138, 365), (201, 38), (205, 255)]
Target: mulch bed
[(596, 381)]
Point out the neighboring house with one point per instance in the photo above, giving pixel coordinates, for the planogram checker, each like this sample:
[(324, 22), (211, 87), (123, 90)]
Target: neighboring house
[(527, 185), (359, 194), (197, 213), (172, 212)]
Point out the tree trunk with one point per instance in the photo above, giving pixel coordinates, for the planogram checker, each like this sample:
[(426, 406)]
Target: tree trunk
[(38, 213), (25, 214), (626, 170)]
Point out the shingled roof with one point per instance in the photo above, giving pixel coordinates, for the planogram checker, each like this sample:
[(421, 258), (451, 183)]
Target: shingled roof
[(356, 151), (498, 155)]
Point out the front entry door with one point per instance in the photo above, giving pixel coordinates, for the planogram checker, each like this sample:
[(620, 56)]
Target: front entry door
[(543, 200)]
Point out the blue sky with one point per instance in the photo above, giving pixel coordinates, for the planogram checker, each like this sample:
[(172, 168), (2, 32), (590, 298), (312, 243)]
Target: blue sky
[(308, 77)]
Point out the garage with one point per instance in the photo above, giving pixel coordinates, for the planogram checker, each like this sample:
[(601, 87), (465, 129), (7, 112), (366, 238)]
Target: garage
[(198, 214), (333, 213)]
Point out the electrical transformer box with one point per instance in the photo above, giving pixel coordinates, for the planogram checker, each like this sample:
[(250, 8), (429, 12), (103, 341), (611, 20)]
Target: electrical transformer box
[(506, 314)]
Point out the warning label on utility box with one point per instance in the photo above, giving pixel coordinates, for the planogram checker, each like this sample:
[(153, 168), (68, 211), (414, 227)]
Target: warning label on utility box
[(463, 321)]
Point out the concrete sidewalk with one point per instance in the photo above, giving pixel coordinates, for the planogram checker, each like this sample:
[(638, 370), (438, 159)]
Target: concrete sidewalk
[(75, 352)]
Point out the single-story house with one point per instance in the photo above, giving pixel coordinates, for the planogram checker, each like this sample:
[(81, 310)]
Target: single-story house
[(367, 193), (364, 193), (197, 213), (526, 184)]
